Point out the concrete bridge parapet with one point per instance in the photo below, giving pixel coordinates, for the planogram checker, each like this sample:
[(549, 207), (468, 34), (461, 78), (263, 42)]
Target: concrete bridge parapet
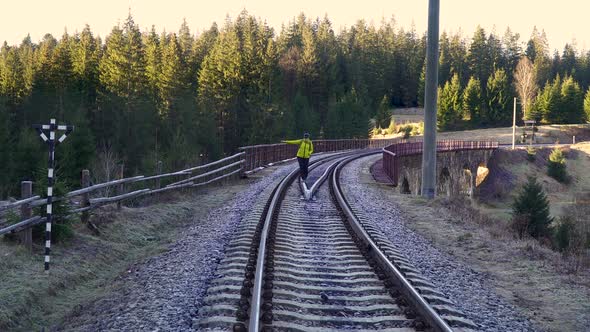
[(457, 167)]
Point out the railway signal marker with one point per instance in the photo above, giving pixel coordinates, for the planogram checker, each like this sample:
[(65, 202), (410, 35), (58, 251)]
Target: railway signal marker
[(47, 134)]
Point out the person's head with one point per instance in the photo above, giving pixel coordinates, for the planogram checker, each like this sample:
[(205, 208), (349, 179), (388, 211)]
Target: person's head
[(306, 135)]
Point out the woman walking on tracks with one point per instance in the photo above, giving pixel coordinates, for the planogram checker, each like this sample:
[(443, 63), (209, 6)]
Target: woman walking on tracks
[(303, 154)]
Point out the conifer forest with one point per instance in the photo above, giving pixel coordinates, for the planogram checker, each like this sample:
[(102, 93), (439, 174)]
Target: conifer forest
[(139, 95)]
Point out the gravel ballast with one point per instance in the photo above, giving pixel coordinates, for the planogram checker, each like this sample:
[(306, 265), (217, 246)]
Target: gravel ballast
[(471, 291), (165, 292)]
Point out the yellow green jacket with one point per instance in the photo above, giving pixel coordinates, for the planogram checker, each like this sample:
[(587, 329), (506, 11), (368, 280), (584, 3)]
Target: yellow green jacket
[(305, 147)]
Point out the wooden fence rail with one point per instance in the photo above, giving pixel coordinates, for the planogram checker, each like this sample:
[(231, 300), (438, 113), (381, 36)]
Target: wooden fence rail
[(86, 203), (248, 159)]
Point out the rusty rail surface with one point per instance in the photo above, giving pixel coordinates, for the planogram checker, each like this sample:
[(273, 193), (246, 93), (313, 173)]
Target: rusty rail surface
[(262, 155), (393, 152)]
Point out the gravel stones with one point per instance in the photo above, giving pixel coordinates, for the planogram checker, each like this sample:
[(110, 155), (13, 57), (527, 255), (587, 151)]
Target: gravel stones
[(165, 292), (471, 291)]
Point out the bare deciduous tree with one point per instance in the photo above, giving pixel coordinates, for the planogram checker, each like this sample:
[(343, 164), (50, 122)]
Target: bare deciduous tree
[(525, 81)]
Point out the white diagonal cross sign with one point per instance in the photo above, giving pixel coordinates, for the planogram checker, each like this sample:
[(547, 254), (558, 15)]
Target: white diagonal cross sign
[(48, 134)]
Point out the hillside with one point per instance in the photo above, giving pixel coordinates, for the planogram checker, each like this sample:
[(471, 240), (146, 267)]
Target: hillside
[(510, 169)]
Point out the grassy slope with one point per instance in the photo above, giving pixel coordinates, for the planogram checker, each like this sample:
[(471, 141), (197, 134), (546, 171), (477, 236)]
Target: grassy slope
[(511, 169), (86, 267)]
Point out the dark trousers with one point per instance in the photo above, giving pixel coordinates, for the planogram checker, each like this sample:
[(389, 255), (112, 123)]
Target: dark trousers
[(303, 163)]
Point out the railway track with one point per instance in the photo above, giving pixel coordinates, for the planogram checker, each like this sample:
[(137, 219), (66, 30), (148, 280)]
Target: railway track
[(316, 265)]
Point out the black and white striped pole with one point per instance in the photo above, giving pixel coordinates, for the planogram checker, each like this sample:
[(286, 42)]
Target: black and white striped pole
[(47, 134)]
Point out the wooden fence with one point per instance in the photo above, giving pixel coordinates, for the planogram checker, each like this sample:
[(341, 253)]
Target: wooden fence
[(89, 197)]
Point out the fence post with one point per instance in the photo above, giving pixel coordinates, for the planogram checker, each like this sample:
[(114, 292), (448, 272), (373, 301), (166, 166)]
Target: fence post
[(121, 188), (158, 172), (85, 217), (26, 235)]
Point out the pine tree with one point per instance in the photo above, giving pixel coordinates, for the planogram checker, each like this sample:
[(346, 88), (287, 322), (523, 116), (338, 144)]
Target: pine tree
[(530, 211), (587, 105), (85, 56), (383, 114), (472, 102), (499, 97), (512, 49), (220, 79), (479, 57), (153, 64), (5, 152), (572, 102), (538, 52), (449, 104), (549, 101), (61, 75), (556, 167)]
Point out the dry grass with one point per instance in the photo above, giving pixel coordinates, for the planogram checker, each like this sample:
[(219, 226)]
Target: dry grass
[(546, 133), (527, 274), (84, 269)]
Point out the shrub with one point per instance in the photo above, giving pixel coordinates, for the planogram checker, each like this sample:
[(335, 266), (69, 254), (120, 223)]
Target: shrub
[(418, 128), (406, 130), (531, 154), (556, 165), (390, 130), (563, 233), (530, 211), (61, 228)]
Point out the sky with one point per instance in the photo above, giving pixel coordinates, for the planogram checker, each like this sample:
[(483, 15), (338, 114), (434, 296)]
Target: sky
[(564, 21)]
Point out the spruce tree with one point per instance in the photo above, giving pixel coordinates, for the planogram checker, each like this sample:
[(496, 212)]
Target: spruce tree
[(449, 104), (85, 56), (499, 97), (530, 211), (478, 57), (572, 102), (383, 114), (6, 153), (587, 105), (472, 102), (549, 101), (556, 167)]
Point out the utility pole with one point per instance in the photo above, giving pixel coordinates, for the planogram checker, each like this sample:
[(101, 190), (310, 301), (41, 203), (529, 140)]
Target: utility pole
[(514, 125), (430, 97)]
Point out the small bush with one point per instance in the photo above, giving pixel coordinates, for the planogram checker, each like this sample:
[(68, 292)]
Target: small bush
[(61, 228), (406, 130), (390, 130), (418, 129), (530, 211), (564, 233), (531, 154), (556, 166)]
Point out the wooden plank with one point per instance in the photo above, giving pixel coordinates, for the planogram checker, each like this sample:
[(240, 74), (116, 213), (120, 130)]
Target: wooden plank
[(102, 185), (18, 203), (192, 169), (157, 177), (16, 227), (106, 200), (217, 178), (191, 179)]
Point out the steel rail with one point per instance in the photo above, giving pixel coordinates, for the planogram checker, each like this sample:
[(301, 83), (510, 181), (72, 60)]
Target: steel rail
[(257, 289), (406, 288)]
